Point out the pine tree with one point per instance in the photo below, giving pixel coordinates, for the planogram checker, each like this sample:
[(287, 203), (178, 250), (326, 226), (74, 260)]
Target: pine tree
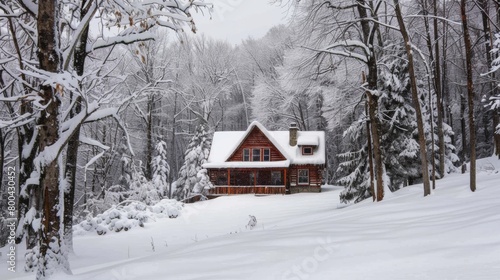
[(193, 178), (400, 145), (354, 167), (140, 189), (451, 158), (398, 124), (161, 168), (494, 102)]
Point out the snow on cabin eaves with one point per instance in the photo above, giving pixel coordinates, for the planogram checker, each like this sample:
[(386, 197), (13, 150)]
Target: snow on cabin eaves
[(295, 152), (225, 143), (248, 164), (308, 140)]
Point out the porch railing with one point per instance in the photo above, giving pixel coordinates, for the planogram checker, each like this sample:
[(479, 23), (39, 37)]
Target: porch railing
[(257, 189)]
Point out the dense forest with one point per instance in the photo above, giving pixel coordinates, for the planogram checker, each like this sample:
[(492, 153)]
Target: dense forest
[(107, 101)]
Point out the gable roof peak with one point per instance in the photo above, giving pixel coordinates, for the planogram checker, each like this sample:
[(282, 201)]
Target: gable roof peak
[(265, 132), (256, 123)]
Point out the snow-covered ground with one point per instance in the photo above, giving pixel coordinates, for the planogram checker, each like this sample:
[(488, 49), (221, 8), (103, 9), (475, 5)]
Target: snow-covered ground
[(453, 234)]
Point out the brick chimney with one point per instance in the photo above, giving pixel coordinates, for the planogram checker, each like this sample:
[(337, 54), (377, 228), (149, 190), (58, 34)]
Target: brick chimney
[(293, 134)]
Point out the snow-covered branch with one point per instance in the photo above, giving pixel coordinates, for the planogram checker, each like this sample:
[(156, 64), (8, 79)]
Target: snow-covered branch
[(344, 53)]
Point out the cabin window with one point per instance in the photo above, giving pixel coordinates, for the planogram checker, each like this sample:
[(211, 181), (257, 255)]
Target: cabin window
[(252, 178), (266, 154), (276, 178), (303, 176), (246, 155), (255, 154), (307, 150), (222, 178)]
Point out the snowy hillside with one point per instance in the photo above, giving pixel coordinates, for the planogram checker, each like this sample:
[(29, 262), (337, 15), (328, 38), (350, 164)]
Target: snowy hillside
[(453, 234)]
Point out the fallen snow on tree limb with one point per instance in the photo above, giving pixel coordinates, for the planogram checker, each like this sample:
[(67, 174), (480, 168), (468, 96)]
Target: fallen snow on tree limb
[(93, 142)]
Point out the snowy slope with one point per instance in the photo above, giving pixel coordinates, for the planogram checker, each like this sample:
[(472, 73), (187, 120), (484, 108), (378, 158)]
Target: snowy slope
[(453, 234)]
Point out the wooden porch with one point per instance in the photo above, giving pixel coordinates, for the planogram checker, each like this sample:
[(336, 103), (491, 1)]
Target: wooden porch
[(259, 189), (248, 181)]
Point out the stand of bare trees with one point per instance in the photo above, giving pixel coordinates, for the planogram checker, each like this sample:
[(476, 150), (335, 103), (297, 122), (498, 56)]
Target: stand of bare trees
[(407, 91)]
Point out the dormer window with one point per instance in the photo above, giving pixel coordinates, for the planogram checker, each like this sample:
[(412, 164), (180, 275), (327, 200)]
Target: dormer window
[(307, 150)]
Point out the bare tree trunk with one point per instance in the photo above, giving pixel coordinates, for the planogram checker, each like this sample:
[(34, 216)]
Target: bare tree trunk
[(416, 103), (370, 153), (465, 151), (29, 195), (496, 123), (377, 152), (74, 141), (372, 98), (432, 78), (483, 4), (439, 94), (149, 136), (444, 76), (51, 244), (463, 126), (173, 157), (433, 159), (244, 98), (470, 91), (69, 192)]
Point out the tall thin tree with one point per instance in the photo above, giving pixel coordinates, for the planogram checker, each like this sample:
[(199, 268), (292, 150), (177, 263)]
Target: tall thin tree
[(470, 93), (416, 103), (51, 253)]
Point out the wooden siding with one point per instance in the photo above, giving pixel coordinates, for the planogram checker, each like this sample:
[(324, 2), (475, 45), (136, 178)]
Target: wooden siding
[(315, 179), (256, 139), (315, 175)]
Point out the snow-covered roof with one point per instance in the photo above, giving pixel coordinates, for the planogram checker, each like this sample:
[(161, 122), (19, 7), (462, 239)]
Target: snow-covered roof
[(308, 140), (295, 152), (248, 164), (225, 143)]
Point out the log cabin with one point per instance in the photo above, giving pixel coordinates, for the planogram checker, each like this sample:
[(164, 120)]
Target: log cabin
[(266, 162)]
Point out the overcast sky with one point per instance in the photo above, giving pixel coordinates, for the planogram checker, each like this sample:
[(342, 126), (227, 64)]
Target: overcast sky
[(234, 20)]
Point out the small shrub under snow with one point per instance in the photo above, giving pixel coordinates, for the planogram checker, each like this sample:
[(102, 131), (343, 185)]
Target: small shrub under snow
[(127, 215), (252, 223)]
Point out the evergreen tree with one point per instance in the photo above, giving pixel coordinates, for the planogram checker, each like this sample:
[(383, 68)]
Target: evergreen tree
[(140, 189), (451, 158), (494, 100), (354, 168), (399, 127), (161, 168), (429, 109), (193, 178)]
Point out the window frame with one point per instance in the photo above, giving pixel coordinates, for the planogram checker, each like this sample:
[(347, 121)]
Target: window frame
[(255, 154), (299, 176), (304, 150), (249, 155), (273, 176), (264, 154)]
